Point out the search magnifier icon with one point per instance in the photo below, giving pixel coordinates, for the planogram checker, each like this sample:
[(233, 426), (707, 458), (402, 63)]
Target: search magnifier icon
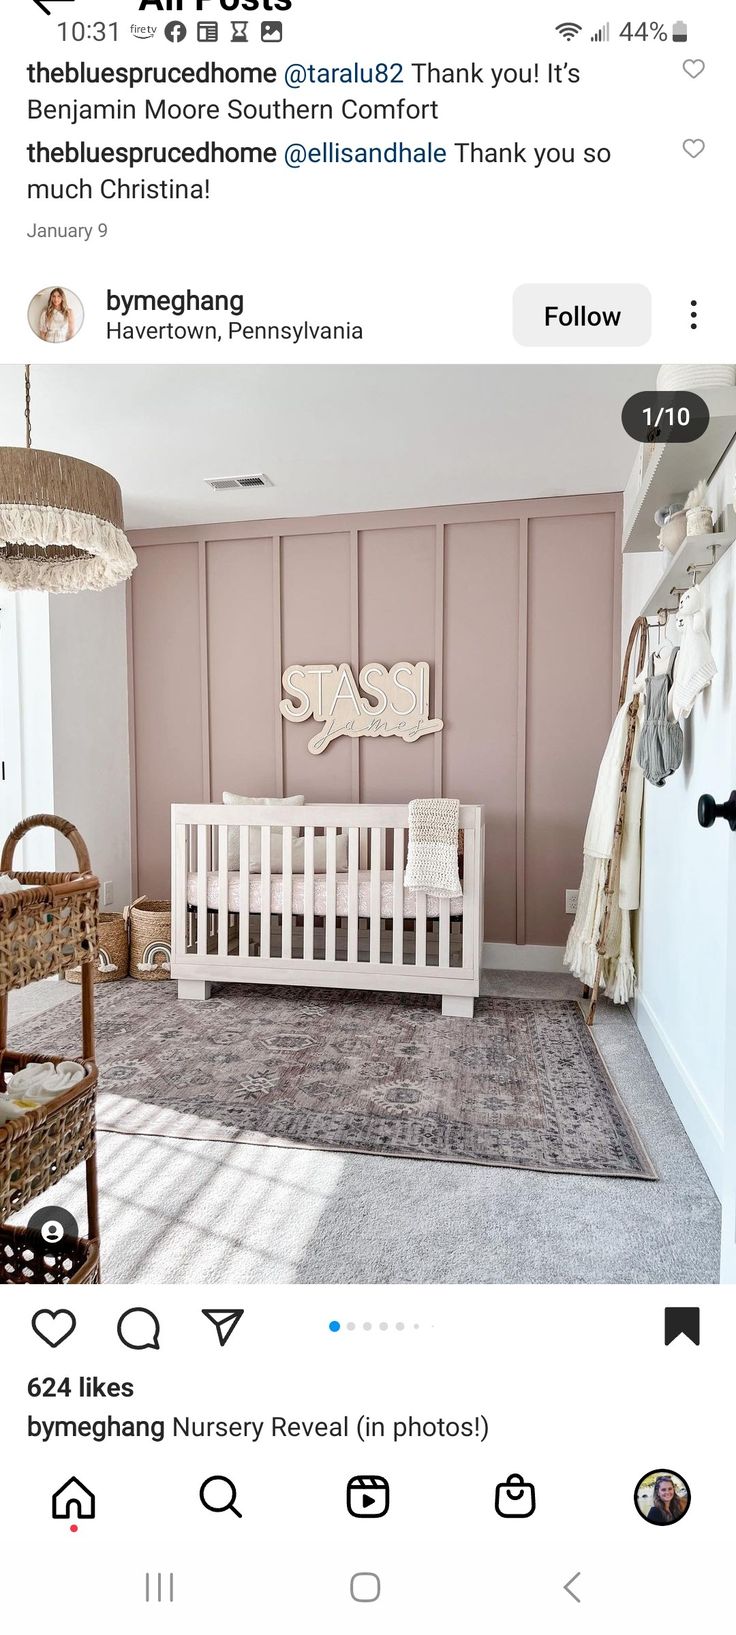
[(218, 1494)]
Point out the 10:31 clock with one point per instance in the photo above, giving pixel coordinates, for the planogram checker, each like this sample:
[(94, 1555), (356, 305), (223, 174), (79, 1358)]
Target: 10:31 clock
[(88, 31)]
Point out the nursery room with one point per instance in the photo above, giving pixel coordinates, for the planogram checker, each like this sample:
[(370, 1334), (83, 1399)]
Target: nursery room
[(368, 901)]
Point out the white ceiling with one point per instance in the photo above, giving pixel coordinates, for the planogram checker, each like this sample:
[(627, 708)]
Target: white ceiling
[(331, 438)]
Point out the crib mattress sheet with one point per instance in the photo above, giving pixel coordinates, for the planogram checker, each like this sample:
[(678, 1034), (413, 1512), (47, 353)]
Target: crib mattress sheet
[(320, 894)]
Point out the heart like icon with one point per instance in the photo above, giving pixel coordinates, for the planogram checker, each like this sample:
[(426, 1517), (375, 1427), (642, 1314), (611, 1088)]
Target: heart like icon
[(53, 1326), (694, 146), (693, 66)]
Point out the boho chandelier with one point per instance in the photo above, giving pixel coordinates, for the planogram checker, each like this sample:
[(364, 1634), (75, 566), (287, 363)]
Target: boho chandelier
[(61, 521)]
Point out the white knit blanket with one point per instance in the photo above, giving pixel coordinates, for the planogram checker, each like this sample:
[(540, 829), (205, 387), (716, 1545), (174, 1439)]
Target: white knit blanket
[(431, 864)]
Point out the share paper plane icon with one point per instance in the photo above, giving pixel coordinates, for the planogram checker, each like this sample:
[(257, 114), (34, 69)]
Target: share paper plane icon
[(225, 1322)]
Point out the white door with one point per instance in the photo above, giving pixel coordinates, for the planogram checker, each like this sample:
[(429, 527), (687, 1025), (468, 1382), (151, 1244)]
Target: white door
[(10, 741)]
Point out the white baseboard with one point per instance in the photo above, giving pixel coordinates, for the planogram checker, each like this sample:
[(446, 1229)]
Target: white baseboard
[(701, 1127), (526, 956)]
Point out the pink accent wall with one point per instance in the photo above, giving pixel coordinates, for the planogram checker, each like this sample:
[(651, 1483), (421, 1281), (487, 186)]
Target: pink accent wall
[(514, 605)]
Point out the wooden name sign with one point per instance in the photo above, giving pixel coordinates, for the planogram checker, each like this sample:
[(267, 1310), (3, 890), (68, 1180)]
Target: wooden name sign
[(396, 705)]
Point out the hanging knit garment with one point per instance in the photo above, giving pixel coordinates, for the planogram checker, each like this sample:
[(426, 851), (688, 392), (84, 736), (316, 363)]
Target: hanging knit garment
[(431, 863), (661, 744), (696, 665), (618, 975)]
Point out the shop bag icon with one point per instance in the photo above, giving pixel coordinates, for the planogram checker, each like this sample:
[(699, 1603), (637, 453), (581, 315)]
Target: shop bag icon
[(515, 1497)]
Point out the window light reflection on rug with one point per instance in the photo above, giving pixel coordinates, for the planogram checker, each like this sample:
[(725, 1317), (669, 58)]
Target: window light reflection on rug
[(61, 521)]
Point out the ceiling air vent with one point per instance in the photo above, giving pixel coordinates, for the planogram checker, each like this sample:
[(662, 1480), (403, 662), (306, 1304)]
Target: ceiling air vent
[(224, 485)]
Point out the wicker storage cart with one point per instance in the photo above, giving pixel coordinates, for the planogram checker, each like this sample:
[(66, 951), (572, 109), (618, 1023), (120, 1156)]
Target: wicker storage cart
[(44, 931)]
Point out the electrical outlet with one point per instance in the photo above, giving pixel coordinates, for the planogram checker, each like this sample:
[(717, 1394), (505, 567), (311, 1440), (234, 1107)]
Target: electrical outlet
[(571, 902), (106, 893)]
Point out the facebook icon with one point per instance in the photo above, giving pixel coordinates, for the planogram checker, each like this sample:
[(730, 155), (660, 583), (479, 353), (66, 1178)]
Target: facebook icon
[(176, 32)]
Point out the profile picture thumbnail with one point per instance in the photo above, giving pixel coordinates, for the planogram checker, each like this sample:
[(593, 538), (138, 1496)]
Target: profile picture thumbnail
[(662, 1497), (56, 315)]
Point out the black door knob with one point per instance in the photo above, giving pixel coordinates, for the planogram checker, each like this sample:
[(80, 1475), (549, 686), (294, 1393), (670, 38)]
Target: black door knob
[(708, 811)]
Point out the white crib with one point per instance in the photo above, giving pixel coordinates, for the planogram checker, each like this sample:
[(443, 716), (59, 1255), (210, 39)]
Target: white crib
[(346, 921)]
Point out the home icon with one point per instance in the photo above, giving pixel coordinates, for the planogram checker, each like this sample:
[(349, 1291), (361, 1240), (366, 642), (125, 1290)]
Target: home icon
[(73, 1500)]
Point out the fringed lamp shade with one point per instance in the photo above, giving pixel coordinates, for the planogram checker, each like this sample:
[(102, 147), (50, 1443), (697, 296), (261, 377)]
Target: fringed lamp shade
[(61, 524)]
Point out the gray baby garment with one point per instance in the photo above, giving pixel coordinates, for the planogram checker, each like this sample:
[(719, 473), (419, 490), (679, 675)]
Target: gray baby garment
[(661, 743)]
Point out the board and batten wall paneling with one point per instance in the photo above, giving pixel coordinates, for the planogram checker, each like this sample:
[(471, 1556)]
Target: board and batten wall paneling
[(169, 709), (315, 629), (570, 644), (242, 660), (480, 694), (398, 618), (514, 605)]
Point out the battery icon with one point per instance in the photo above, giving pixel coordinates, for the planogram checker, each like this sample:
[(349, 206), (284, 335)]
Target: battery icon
[(679, 31)]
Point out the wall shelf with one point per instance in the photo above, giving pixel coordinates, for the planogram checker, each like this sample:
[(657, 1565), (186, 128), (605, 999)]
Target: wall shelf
[(694, 552), (674, 468)]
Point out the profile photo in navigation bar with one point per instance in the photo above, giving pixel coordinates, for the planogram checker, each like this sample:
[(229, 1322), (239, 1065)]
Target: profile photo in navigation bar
[(662, 1497)]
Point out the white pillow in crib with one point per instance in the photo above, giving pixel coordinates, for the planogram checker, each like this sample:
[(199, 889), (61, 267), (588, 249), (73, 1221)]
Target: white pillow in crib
[(233, 835), (320, 855)]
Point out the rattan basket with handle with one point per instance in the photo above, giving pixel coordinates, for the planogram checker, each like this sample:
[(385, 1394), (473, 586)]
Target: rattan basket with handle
[(150, 940), (53, 924)]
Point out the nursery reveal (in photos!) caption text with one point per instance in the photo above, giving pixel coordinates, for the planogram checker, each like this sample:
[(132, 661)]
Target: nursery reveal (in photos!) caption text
[(123, 1423)]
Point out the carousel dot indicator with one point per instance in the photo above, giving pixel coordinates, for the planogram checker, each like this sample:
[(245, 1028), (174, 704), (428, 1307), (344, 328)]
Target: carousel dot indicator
[(334, 1327)]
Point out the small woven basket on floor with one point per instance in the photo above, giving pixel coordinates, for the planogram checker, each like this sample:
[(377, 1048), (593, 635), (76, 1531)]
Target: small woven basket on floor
[(25, 1258), (112, 955), (150, 940)]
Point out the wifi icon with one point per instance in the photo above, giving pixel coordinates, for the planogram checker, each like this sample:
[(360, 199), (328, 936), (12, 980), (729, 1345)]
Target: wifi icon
[(569, 30)]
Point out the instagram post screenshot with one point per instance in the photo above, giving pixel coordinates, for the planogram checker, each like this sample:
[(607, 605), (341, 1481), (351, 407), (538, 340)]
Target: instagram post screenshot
[(367, 815)]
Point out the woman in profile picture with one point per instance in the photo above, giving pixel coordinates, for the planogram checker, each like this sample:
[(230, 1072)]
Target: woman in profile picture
[(56, 323), (665, 1506)]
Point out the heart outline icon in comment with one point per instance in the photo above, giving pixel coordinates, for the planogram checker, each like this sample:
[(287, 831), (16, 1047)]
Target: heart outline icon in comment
[(693, 66), (54, 1327), (694, 146)]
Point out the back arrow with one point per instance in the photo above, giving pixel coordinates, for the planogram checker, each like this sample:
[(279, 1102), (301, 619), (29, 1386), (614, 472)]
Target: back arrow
[(572, 1592), (44, 7)]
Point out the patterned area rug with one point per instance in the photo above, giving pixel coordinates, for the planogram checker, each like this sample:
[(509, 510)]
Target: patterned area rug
[(522, 1085)]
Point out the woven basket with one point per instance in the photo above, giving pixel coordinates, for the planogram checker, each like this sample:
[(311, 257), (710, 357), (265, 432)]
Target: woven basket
[(150, 940), (112, 957), (42, 1146), (25, 1258), (45, 931)]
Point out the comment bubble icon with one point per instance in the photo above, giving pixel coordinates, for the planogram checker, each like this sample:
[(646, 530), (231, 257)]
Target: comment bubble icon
[(139, 1329)]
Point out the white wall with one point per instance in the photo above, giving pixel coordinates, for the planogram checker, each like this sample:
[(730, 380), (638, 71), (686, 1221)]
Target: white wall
[(686, 931), (26, 714), (89, 708)]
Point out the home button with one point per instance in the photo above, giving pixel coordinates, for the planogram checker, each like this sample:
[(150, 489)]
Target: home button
[(73, 1502)]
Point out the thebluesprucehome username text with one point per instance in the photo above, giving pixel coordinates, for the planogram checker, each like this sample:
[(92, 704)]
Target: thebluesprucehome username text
[(229, 312)]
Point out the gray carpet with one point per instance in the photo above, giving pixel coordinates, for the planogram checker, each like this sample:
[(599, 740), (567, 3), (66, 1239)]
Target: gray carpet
[(240, 1215), (521, 1084)]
